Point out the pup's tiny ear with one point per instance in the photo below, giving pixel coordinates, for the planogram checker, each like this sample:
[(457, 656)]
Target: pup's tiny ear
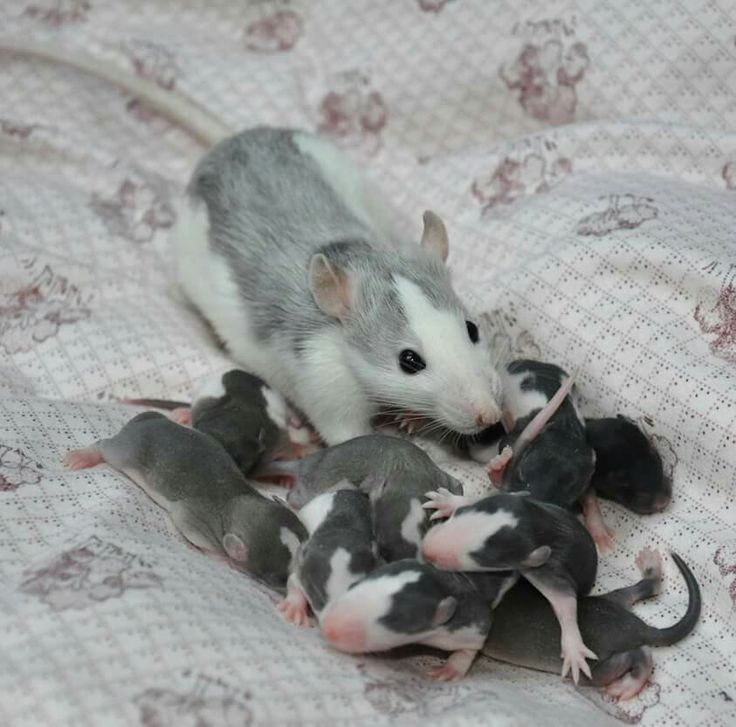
[(434, 236), (537, 557), (235, 547), (330, 286), (445, 611), (373, 484)]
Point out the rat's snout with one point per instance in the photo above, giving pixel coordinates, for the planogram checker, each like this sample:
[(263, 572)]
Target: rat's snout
[(438, 549), (344, 631), (486, 418)]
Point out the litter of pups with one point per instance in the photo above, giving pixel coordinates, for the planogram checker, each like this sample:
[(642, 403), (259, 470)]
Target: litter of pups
[(384, 549)]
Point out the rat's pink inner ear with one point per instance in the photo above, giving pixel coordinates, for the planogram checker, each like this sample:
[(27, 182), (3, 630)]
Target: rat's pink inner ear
[(537, 557), (445, 611), (434, 236), (235, 547), (331, 287)]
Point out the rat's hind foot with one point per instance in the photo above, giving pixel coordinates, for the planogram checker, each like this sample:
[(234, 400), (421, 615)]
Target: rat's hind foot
[(649, 562), (79, 459), (444, 503), (455, 668), (182, 415), (595, 524), (574, 654)]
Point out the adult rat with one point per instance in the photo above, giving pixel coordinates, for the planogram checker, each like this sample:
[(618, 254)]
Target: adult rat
[(283, 246)]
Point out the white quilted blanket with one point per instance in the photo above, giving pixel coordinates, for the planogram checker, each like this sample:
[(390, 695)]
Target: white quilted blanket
[(582, 154)]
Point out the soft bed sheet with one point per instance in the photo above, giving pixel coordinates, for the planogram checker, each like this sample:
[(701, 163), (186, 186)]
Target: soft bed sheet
[(583, 156)]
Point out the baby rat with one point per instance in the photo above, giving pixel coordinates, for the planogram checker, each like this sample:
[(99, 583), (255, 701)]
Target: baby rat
[(340, 551), (378, 456), (546, 452), (551, 459), (544, 542), (628, 469), (408, 602), (194, 479), (243, 414), (291, 254), (526, 633)]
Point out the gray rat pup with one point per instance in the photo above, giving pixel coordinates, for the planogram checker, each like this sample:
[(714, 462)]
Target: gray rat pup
[(628, 469), (408, 602), (544, 542), (526, 633), (194, 479), (340, 551), (395, 473), (245, 415)]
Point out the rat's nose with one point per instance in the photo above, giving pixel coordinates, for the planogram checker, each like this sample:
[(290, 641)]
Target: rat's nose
[(343, 632), (438, 555), (486, 417)]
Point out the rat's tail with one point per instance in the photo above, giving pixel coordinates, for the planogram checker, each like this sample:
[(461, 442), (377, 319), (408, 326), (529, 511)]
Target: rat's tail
[(676, 632), (174, 105), (164, 404)]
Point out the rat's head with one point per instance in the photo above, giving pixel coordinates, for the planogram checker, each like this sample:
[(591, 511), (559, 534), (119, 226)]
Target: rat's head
[(410, 341), (262, 537), (485, 536), (400, 603)]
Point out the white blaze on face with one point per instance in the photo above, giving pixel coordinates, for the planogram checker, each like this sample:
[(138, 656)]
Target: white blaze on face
[(411, 526), (275, 407), (516, 401), (313, 514), (459, 376), (351, 623), (211, 388), (341, 578), (291, 541), (448, 545)]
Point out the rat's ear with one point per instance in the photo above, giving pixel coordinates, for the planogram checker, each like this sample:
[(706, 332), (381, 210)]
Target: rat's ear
[(235, 547), (537, 557), (373, 484), (434, 237), (445, 611), (330, 286)]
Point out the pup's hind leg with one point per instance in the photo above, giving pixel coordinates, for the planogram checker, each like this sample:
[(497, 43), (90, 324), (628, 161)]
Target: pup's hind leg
[(650, 566), (79, 459), (624, 675)]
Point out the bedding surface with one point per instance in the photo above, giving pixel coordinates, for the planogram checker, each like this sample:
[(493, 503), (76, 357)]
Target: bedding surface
[(582, 154)]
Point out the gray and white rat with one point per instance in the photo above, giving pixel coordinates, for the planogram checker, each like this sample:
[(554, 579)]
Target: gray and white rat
[(243, 413), (526, 632), (339, 551), (628, 469), (544, 542), (289, 253), (194, 479), (408, 602)]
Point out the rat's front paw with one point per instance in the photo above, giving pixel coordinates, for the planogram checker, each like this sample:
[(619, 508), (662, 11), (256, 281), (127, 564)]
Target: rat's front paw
[(497, 466), (443, 502), (445, 673), (574, 653), (295, 612)]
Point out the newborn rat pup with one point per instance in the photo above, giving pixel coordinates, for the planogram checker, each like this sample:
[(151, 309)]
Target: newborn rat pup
[(408, 602), (340, 551), (194, 479), (544, 542), (628, 469), (526, 633), (245, 415)]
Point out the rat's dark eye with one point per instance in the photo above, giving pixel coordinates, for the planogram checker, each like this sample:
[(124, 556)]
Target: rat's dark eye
[(411, 362), (472, 331)]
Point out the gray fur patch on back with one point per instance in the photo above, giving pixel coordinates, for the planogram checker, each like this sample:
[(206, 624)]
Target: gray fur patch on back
[(270, 211)]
